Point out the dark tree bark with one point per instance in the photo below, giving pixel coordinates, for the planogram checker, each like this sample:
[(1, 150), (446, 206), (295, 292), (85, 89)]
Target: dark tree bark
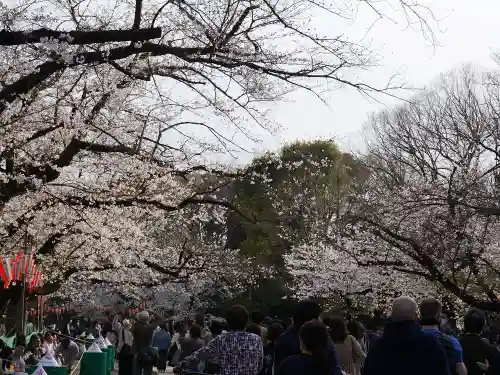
[(14, 38)]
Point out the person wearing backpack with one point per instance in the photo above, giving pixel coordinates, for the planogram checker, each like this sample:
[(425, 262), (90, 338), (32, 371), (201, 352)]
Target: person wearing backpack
[(430, 315)]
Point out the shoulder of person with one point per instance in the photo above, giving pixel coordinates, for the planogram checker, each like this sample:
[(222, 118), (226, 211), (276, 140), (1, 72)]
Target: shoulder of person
[(291, 361), (455, 342)]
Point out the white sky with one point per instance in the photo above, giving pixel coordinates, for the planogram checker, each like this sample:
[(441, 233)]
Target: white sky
[(468, 33)]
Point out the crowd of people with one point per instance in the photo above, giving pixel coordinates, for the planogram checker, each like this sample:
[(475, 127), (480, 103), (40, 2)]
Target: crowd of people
[(411, 340), (61, 348)]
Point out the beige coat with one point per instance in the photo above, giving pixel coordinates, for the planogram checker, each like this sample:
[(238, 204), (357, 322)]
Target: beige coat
[(350, 355)]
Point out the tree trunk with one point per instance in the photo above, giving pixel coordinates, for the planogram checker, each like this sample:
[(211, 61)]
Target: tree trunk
[(13, 309)]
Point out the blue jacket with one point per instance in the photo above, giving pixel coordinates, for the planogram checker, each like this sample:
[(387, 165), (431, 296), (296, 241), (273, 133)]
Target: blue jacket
[(405, 349), (161, 340), (288, 344)]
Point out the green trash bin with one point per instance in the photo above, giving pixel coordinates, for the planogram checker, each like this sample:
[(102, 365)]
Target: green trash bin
[(55, 370), (94, 362), (105, 350), (111, 356)]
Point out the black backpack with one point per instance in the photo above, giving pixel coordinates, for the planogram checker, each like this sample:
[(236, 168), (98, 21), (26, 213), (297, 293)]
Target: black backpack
[(449, 350)]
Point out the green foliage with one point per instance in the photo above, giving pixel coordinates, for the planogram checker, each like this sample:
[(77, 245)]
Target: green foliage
[(282, 192), (279, 190), (271, 297)]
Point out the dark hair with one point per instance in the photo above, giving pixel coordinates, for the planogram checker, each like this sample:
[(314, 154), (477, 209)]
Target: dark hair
[(356, 329), (21, 339), (195, 331), (253, 328), (338, 330), (286, 323), (258, 317), (314, 337), (327, 318), (274, 331), (199, 319), (237, 318), (430, 311), (179, 328), (216, 328), (371, 324), (474, 321), (305, 311)]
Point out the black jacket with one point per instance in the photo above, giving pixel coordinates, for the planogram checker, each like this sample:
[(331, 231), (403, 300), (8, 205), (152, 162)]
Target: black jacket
[(288, 344), (405, 349)]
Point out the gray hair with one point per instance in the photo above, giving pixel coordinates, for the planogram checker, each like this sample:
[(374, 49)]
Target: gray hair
[(404, 308)]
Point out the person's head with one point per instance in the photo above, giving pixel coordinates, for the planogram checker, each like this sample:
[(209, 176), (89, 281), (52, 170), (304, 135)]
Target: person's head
[(430, 312), (253, 328), (474, 321), (305, 311), (237, 318), (21, 339), (179, 328), (48, 337), (195, 331), (216, 328), (371, 324), (274, 331), (356, 329), (338, 330), (314, 341), (143, 317), (35, 341), (199, 319), (65, 341), (19, 350), (327, 318), (404, 309), (258, 317)]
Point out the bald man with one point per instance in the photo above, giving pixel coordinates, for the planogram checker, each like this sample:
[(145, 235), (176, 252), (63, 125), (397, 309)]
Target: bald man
[(404, 348)]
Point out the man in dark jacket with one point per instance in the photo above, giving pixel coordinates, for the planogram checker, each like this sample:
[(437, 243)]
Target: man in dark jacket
[(476, 349), (145, 355), (404, 348), (288, 343)]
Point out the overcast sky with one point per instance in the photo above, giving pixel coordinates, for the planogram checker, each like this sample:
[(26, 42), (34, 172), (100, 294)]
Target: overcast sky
[(468, 33)]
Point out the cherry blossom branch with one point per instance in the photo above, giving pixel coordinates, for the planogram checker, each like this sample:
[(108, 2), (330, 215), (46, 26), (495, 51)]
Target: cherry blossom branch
[(137, 201), (424, 260), (15, 38)]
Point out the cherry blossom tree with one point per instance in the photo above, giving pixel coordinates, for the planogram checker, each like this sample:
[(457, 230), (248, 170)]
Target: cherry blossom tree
[(424, 221), (105, 124)]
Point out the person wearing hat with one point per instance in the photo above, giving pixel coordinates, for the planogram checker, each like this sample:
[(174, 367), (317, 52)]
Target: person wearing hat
[(145, 356)]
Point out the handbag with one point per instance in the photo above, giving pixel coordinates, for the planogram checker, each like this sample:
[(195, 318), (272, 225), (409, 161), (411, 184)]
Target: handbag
[(148, 355), (171, 352)]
